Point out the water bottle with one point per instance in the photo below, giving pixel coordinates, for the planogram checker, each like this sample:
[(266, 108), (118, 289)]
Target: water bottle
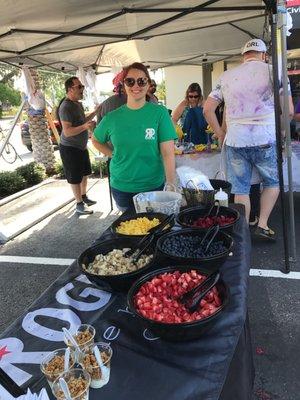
[(222, 198)]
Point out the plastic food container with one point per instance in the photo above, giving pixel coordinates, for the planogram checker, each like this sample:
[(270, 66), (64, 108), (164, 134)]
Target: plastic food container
[(211, 263), (53, 364), (84, 336), (177, 331), (120, 282), (100, 374), (78, 382), (186, 217), (128, 217)]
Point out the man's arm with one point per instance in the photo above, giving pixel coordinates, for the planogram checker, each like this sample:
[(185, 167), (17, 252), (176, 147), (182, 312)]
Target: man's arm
[(92, 114), (168, 156), (70, 130), (210, 116)]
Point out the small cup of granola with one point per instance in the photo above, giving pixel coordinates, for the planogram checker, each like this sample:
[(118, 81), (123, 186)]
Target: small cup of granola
[(78, 382), (53, 365), (96, 361), (84, 336)]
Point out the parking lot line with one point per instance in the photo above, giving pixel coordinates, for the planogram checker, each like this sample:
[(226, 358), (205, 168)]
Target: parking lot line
[(36, 260), (264, 273), (271, 273)]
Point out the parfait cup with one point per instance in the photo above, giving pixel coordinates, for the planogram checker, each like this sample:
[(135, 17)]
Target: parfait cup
[(78, 382), (84, 336), (100, 374), (53, 365)]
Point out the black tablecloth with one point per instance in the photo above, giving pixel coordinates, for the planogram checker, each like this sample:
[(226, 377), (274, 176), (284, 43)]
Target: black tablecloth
[(216, 366)]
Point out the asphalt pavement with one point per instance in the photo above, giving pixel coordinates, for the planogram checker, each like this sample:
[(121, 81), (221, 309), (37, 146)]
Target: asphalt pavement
[(35, 258)]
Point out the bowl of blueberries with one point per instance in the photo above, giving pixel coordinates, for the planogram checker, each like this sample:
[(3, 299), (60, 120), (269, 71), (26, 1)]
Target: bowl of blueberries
[(209, 248)]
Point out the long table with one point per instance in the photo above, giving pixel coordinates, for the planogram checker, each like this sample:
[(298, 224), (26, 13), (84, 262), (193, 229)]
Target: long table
[(211, 163), (216, 366)]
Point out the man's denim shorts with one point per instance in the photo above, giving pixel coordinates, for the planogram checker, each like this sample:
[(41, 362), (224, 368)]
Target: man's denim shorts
[(241, 160)]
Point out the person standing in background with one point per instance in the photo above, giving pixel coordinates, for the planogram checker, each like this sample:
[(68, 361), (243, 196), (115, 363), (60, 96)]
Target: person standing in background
[(250, 139), (116, 100), (73, 143), (152, 89)]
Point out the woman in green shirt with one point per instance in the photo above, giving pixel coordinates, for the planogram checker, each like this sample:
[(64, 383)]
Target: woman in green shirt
[(142, 135)]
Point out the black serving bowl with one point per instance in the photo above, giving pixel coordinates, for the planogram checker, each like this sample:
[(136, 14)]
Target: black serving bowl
[(186, 217), (121, 282), (212, 263), (178, 331), (128, 217)]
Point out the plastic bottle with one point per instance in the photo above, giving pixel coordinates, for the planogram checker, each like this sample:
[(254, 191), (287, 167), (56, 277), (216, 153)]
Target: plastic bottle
[(222, 198)]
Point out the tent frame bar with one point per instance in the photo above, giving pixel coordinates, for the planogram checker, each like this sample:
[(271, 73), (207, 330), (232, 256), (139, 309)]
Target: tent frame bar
[(60, 33), (210, 9), (273, 23)]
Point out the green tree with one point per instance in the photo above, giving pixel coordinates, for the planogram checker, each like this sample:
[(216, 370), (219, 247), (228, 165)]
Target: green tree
[(8, 73), (8, 95), (161, 91), (52, 84)]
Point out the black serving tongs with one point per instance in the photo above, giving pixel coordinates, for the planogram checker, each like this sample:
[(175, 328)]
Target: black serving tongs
[(193, 297), (210, 212), (145, 242), (209, 237)]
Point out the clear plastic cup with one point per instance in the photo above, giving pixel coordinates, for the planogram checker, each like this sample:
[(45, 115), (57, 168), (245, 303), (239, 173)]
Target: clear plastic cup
[(99, 374), (53, 365), (84, 336), (78, 382)]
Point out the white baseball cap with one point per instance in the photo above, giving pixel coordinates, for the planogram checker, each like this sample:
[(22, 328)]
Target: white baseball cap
[(254, 45)]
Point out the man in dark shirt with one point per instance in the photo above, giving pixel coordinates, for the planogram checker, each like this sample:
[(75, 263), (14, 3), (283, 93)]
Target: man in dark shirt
[(73, 144)]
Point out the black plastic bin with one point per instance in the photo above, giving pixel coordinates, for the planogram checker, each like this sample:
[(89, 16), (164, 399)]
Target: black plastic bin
[(196, 197), (177, 331), (121, 282)]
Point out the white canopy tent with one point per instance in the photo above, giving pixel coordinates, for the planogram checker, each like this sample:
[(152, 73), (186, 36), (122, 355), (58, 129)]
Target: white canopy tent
[(65, 35)]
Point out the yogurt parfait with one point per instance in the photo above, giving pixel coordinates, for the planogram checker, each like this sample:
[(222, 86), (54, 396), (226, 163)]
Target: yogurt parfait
[(99, 372)]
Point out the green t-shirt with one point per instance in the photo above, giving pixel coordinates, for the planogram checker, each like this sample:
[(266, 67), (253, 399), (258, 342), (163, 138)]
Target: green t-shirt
[(136, 164)]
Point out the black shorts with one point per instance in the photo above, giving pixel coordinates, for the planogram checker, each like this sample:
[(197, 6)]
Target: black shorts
[(76, 163)]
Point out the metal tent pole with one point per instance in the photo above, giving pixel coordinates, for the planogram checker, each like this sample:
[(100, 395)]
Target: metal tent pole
[(273, 23), (286, 124)]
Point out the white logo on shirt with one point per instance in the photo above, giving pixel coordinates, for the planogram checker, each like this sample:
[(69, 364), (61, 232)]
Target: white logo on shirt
[(150, 134)]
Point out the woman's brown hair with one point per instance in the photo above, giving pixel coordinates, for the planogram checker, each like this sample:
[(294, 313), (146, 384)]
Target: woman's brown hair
[(194, 87), (136, 65)]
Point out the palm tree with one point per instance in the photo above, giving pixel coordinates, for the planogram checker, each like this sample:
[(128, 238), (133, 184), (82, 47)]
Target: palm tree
[(43, 151)]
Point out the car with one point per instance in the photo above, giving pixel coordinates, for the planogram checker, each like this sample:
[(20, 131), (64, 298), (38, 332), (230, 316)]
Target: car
[(25, 134)]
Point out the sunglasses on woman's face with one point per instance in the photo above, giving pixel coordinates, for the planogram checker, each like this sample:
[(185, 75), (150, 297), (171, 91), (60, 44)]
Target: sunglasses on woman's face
[(141, 82), (194, 97)]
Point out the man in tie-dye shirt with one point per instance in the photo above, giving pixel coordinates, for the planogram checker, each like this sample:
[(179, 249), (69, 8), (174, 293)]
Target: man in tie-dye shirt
[(247, 91)]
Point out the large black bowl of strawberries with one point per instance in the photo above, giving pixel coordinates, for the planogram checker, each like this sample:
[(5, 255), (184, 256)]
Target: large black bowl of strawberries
[(155, 300), (186, 246), (204, 218)]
